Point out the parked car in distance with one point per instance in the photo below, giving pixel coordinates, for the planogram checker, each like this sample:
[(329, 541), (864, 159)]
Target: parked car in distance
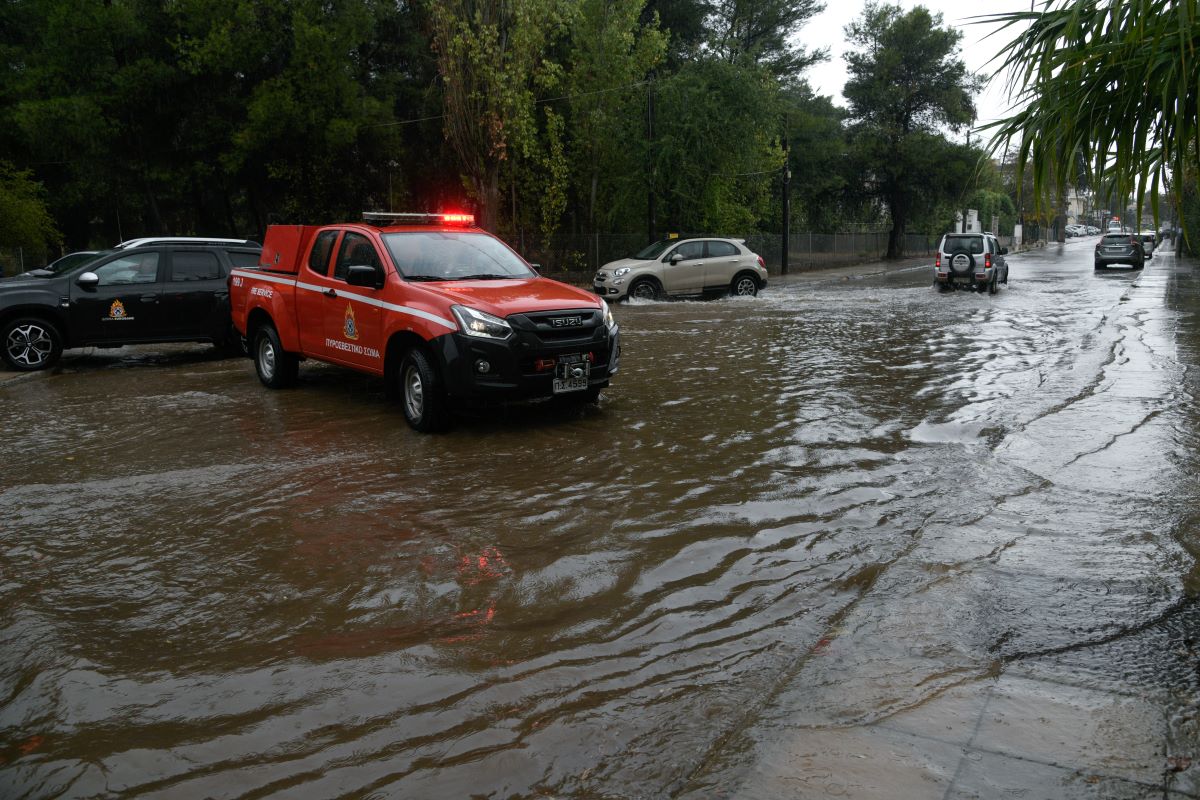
[(163, 290), (683, 267), (1149, 239), (1092, 230), (970, 260), (1075, 230), (1119, 248), (67, 262)]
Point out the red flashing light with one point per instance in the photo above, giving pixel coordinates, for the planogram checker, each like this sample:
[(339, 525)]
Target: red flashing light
[(458, 219)]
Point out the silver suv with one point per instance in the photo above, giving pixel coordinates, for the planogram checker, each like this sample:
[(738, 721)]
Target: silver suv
[(675, 267), (970, 260)]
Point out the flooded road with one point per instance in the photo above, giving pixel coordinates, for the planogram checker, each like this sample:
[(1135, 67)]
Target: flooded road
[(848, 508)]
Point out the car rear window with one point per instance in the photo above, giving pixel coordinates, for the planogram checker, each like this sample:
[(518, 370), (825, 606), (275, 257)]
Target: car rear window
[(967, 244), (1117, 238)]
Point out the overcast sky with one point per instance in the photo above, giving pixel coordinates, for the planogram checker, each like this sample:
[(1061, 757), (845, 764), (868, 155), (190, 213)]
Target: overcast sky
[(828, 29)]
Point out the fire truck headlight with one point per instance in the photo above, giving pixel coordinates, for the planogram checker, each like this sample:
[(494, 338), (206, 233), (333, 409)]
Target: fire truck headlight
[(480, 324), (610, 321)]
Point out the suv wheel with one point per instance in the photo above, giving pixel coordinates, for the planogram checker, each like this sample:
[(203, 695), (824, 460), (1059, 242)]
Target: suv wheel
[(421, 394), (276, 368), (744, 286), (994, 283), (644, 289), (31, 344)]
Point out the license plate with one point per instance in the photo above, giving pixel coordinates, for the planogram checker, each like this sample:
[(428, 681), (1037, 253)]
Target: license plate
[(571, 374)]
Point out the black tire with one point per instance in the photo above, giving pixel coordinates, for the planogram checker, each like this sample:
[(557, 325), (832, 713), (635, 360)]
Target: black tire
[(1100, 266), (994, 283), (950, 262), (644, 289), (31, 344), (422, 395), (743, 285), (1139, 265), (944, 288), (276, 368)]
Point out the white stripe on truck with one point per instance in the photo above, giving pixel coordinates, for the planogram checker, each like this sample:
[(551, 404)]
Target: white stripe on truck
[(371, 301)]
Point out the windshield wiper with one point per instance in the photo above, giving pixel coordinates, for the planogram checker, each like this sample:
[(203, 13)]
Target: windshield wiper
[(424, 278), (484, 276)]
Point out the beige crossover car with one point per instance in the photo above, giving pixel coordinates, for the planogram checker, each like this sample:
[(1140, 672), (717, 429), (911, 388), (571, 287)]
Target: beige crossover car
[(681, 267)]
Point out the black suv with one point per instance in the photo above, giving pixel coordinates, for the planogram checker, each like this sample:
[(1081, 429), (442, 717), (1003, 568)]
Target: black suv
[(170, 289)]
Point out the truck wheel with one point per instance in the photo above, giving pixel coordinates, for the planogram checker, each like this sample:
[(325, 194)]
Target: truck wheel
[(994, 284), (31, 343), (276, 368), (421, 394)]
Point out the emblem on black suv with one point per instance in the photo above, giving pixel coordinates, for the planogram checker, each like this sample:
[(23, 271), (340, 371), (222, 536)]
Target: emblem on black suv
[(566, 322)]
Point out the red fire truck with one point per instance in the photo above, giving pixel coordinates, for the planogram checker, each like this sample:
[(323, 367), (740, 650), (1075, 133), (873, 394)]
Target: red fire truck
[(444, 312)]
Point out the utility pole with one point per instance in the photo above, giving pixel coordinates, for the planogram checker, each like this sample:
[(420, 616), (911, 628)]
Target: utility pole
[(650, 221), (787, 205), (964, 208)]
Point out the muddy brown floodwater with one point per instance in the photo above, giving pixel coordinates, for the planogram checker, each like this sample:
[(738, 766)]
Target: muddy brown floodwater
[(833, 511)]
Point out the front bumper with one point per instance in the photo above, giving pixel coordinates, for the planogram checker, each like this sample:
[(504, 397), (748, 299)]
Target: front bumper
[(512, 369)]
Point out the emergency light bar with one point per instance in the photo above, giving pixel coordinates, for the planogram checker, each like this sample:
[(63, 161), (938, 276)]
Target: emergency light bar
[(382, 218)]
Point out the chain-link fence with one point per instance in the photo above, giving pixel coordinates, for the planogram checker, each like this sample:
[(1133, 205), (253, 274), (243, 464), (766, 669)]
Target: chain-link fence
[(569, 254), (578, 254), (15, 260)]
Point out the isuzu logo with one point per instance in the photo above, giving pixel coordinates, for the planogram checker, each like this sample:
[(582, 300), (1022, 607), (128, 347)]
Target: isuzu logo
[(566, 322)]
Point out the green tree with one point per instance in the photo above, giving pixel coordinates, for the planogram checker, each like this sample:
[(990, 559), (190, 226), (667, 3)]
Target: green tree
[(817, 156), (493, 60), (25, 221), (763, 31), (1115, 81), (610, 55), (906, 84), (714, 159)]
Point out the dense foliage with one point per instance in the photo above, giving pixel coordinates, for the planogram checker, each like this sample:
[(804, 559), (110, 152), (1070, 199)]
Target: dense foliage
[(1109, 85), (551, 119)]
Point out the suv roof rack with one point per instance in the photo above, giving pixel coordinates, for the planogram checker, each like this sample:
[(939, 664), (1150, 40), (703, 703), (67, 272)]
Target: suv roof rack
[(384, 218), (196, 240)]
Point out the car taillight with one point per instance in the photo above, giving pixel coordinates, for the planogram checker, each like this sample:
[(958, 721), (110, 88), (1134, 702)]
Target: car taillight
[(987, 260), (937, 261), (762, 263)]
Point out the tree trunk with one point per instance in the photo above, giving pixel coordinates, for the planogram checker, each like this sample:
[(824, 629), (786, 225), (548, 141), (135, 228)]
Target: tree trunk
[(488, 194), (896, 234)]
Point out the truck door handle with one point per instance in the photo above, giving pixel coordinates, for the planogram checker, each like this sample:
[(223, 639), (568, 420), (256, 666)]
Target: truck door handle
[(330, 293), (149, 298)]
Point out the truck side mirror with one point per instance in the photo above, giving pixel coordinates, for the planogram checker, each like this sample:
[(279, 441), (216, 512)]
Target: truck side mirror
[(676, 258), (364, 275), (536, 268), (1003, 251), (88, 280)]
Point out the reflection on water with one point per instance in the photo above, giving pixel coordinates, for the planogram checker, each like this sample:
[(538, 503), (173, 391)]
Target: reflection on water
[(824, 506)]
